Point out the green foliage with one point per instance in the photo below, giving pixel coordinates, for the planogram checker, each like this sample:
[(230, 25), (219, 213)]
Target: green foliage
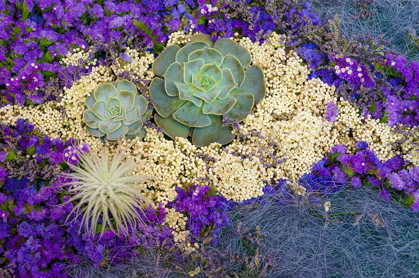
[(200, 85), (116, 110), (105, 190)]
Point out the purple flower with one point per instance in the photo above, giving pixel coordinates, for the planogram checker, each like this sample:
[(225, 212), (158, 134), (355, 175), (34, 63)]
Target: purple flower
[(385, 194), (331, 112), (396, 181), (339, 149), (3, 174), (339, 175), (356, 182), (361, 145)]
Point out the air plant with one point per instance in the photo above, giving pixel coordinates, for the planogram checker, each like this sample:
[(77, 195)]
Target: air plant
[(104, 189)]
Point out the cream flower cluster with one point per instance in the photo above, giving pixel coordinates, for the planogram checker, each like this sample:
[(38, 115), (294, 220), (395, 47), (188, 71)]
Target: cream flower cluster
[(410, 147), (138, 67), (237, 179), (73, 57)]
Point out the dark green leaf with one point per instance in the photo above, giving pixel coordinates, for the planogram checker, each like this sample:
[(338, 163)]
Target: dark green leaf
[(31, 150), (11, 156), (25, 11)]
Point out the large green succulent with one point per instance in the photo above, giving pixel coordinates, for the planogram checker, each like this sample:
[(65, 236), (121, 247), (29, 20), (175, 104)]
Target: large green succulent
[(199, 84), (116, 110)]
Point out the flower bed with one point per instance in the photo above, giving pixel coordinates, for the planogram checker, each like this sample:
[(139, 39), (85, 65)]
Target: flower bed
[(137, 128)]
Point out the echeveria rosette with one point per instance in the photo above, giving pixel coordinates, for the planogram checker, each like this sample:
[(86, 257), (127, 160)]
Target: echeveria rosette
[(199, 84), (116, 110)]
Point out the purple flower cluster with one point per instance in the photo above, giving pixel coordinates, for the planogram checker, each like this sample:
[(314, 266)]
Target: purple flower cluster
[(35, 238), (401, 91), (224, 18), (206, 211), (352, 71), (408, 182), (339, 168), (37, 34)]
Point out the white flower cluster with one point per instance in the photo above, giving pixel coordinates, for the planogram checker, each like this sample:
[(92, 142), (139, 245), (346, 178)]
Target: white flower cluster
[(410, 148), (179, 38), (352, 128), (138, 65), (237, 179), (72, 58), (51, 125)]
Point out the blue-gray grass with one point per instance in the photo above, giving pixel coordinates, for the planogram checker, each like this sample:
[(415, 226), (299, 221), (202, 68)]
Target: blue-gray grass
[(392, 18), (362, 236)]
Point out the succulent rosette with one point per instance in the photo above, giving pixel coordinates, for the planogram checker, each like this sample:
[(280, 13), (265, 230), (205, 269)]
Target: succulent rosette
[(116, 110), (200, 84)]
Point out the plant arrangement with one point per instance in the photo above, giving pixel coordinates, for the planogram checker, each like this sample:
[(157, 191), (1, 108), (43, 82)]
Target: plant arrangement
[(220, 132)]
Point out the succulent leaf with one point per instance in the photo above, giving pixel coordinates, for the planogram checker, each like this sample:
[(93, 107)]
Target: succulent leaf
[(99, 109), (125, 85), (201, 38), (191, 115), (127, 99), (119, 110), (113, 102), (183, 53), (209, 55), (105, 91), (219, 106), (132, 116), (95, 132), (227, 46), (109, 126), (165, 59), (173, 74), (187, 92), (242, 108), (141, 102), (90, 101), (91, 119), (165, 105), (209, 96), (227, 84), (215, 132), (254, 83), (171, 127), (135, 127), (118, 134), (205, 82), (232, 63), (212, 70), (122, 115), (192, 67)]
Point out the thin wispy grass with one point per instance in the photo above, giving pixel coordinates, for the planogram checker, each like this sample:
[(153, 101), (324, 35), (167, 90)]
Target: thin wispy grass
[(391, 18), (360, 236)]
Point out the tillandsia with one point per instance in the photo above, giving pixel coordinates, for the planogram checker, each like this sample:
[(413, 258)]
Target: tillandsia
[(200, 84), (105, 192), (116, 110)]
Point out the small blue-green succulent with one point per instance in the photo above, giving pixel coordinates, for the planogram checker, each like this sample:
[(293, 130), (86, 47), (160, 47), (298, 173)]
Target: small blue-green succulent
[(200, 84), (116, 110)]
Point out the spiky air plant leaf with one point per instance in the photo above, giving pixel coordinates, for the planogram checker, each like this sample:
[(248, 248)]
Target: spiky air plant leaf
[(103, 189)]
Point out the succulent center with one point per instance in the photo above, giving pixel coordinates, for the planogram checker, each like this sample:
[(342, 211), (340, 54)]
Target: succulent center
[(204, 81), (115, 110)]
